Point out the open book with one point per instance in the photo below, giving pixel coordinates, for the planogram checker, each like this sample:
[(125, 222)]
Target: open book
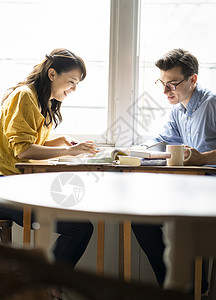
[(129, 155), (104, 156)]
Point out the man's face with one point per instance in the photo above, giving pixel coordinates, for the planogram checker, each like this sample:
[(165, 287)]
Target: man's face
[(183, 91)]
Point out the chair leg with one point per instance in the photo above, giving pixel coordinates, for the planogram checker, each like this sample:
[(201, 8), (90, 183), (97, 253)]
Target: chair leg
[(100, 247), (6, 231), (212, 286), (198, 278)]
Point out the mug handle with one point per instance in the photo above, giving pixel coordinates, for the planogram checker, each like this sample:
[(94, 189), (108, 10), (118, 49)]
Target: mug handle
[(186, 159)]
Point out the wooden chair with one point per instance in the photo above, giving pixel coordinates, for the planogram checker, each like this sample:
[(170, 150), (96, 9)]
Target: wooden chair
[(6, 231), (211, 293), (212, 285), (25, 274)]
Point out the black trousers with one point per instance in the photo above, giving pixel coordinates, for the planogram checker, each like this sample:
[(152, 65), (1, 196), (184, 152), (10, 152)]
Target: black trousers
[(150, 239), (72, 242)]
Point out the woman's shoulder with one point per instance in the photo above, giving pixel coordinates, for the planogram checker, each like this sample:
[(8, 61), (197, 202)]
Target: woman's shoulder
[(23, 96), (25, 89), (25, 92)]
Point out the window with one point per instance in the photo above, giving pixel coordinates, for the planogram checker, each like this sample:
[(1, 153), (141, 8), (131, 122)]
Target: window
[(32, 28), (118, 102), (164, 25)]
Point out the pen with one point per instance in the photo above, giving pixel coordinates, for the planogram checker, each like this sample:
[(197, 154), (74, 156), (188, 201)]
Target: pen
[(154, 145)]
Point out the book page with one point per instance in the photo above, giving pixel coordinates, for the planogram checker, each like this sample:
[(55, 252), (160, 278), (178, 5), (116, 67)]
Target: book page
[(149, 154)]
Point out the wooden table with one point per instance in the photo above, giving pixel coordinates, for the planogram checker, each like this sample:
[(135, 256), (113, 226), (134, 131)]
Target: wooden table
[(124, 227), (47, 166), (185, 204)]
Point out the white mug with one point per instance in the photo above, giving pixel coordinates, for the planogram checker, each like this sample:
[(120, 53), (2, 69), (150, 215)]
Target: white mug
[(177, 155)]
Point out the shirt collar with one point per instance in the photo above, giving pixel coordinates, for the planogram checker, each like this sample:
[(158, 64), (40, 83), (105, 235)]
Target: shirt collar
[(193, 103)]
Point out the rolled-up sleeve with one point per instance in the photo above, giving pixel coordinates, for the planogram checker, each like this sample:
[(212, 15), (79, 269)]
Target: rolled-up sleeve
[(23, 122)]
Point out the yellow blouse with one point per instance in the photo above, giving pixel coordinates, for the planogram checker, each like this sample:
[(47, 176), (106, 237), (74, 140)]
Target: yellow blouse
[(21, 125)]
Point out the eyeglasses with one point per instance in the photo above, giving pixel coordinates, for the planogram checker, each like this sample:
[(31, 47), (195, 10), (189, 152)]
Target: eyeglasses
[(168, 85)]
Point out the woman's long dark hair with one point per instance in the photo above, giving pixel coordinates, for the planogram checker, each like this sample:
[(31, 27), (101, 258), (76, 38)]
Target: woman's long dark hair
[(62, 60)]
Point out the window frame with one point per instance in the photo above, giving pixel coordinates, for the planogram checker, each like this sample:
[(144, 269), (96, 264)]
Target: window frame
[(123, 71)]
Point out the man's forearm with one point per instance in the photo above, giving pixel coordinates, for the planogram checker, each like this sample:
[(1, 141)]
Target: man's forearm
[(208, 158), (200, 159)]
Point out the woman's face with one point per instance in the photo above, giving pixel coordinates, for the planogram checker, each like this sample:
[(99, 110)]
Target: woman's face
[(63, 84)]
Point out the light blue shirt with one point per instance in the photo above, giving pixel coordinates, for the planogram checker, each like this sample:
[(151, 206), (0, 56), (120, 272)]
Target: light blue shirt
[(194, 125)]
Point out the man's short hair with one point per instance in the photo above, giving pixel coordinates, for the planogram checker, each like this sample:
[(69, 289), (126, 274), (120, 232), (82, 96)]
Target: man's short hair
[(179, 58)]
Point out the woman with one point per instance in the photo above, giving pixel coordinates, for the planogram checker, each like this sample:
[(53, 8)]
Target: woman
[(29, 110)]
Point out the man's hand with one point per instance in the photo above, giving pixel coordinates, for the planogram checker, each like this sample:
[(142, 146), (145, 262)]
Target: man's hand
[(196, 159)]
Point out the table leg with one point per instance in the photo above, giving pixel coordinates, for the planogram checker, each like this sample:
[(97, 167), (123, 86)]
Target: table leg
[(100, 247), (27, 221), (26, 226), (125, 250)]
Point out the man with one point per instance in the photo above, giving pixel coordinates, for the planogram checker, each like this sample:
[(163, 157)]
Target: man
[(192, 119), (192, 122)]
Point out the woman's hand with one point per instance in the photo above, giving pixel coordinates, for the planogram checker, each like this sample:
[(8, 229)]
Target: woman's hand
[(88, 147)]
